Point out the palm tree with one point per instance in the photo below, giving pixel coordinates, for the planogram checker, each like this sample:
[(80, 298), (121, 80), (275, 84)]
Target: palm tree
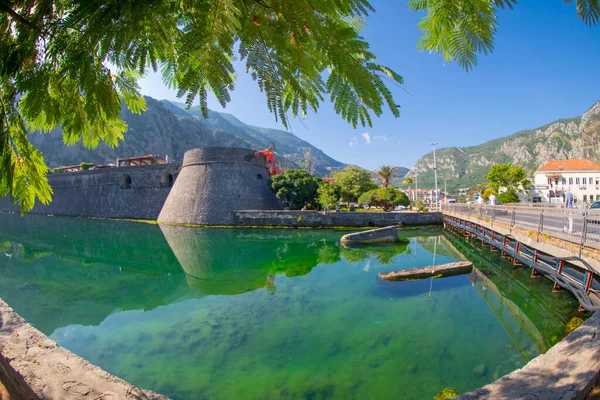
[(385, 172), (409, 181)]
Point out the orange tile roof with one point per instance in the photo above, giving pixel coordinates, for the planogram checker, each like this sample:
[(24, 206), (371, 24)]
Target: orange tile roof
[(570, 165)]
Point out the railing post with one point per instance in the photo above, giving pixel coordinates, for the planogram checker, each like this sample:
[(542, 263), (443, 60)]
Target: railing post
[(512, 220), (583, 234), (540, 224)]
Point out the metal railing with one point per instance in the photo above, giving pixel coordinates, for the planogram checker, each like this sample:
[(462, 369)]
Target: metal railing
[(581, 227)]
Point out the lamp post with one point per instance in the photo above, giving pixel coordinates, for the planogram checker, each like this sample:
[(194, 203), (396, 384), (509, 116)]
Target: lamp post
[(433, 144)]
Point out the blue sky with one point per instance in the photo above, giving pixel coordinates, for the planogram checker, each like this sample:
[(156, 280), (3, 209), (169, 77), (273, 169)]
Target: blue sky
[(545, 66)]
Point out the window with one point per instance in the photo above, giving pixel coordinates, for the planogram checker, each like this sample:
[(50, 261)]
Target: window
[(570, 181), (577, 181), (549, 181), (597, 181), (126, 182), (258, 176), (166, 180), (564, 181), (556, 181), (584, 197), (584, 180)]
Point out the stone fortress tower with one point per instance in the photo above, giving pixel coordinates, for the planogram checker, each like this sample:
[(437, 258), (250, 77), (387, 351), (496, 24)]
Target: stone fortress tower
[(214, 182)]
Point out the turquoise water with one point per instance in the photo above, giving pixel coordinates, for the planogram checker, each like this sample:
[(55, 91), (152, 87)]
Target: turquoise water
[(261, 314)]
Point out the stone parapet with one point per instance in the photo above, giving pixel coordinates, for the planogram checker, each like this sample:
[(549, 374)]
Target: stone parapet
[(568, 371), (322, 219), (32, 366)]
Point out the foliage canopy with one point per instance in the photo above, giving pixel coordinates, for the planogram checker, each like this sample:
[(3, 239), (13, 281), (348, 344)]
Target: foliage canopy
[(56, 54), (511, 177), (328, 194), (295, 188), (385, 198), (353, 181), (385, 172), (461, 29)]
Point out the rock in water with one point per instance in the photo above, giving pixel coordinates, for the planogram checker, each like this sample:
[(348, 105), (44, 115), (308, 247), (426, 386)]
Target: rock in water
[(389, 234)]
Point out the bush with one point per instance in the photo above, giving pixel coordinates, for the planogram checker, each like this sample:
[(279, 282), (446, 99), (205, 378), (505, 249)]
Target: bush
[(488, 192), (508, 197), (387, 198), (295, 188), (86, 165)]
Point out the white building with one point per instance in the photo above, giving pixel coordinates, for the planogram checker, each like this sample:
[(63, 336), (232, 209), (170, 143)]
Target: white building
[(554, 179)]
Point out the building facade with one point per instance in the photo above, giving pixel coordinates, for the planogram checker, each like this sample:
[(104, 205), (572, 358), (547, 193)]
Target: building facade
[(556, 178)]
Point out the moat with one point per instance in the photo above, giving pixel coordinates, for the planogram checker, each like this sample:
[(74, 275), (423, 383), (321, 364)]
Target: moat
[(269, 313)]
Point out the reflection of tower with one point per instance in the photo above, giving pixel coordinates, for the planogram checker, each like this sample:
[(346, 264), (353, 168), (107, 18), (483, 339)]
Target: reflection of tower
[(213, 266)]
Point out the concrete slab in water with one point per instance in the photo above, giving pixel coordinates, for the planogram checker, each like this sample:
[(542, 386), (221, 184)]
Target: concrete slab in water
[(433, 271), (389, 234)]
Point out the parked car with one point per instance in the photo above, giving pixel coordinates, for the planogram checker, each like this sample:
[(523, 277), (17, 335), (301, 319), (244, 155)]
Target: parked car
[(595, 206)]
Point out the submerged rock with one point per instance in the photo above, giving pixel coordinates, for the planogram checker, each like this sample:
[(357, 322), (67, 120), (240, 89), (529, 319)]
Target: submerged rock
[(480, 370)]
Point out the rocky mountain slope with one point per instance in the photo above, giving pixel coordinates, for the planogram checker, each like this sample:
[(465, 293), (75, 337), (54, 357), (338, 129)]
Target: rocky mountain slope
[(571, 138), (166, 128)]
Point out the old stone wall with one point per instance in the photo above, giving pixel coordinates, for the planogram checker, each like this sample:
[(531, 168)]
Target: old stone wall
[(318, 219), (32, 366), (124, 192), (215, 181)]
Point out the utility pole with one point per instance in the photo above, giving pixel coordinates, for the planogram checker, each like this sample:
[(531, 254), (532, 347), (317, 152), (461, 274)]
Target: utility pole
[(416, 196), (433, 144)]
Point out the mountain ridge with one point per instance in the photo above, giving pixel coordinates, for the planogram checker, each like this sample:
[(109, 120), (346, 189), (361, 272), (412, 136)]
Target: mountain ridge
[(165, 128), (564, 138)]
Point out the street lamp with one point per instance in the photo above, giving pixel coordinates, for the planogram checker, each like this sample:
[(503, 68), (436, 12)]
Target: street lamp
[(433, 144)]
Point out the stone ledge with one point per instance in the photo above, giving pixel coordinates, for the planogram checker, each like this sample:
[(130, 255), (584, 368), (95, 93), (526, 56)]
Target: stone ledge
[(568, 371), (32, 366), (389, 234)]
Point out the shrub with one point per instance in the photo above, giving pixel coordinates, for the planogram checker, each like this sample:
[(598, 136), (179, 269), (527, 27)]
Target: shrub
[(86, 165), (387, 198), (295, 188), (488, 192), (508, 197)]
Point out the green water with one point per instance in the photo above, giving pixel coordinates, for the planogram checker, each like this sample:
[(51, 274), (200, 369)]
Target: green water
[(263, 314)]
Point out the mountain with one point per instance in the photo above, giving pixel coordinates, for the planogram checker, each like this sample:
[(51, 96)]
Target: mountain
[(571, 138), (166, 128)]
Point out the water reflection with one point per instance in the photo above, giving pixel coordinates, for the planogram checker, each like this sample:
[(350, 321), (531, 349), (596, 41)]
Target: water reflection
[(527, 308), (270, 313)]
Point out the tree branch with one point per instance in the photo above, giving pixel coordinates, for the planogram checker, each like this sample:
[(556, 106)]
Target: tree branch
[(19, 18)]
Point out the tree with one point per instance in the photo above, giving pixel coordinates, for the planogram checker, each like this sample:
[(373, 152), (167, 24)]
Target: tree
[(295, 187), (385, 198), (409, 182), (385, 172), (488, 192), (460, 29), (510, 196), (327, 194), (511, 177), (353, 181), (55, 57)]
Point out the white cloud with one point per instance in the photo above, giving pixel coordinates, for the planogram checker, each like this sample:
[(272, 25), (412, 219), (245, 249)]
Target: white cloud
[(383, 137), (353, 141), (367, 137)]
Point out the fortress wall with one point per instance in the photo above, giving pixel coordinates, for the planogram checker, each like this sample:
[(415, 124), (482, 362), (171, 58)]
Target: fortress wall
[(124, 192), (215, 181), (320, 219)]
